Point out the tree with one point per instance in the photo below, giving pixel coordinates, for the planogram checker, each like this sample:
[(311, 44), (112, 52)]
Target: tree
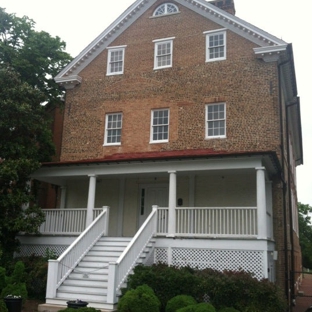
[(28, 62), (36, 56), (305, 234)]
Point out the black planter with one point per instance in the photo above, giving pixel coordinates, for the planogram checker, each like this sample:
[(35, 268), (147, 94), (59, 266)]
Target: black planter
[(76, 304), (14, 304)]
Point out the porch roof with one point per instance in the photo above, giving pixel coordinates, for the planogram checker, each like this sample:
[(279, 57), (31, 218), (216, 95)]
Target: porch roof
[(188, 161)]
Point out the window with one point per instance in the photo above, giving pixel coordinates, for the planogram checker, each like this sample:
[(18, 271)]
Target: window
[(113, 127), (160, 126), (215, 121), (166, 8), (163, 53), (215, 45), (115, 60)]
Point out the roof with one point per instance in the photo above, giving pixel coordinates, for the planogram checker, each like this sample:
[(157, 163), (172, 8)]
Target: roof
[(268, 44)]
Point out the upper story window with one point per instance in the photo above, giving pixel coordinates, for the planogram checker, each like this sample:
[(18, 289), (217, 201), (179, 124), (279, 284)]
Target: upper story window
[(215, 121), (215, 45), (115, 60), (113, 126), (163, 53), (160, 126), (166, 8)]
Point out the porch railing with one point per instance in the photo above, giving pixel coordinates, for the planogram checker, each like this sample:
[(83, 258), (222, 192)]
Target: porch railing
[(212, 221), (59, 269), (66, 221), (119, 270)]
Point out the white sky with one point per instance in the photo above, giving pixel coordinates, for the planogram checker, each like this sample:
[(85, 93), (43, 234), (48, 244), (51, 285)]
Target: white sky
[(78, 23)]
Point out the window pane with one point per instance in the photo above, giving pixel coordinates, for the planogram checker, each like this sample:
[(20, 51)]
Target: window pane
[(160, 126), (215, 120)]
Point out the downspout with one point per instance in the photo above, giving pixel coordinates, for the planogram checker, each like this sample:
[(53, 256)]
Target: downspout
[(292, 275), (283, 181)]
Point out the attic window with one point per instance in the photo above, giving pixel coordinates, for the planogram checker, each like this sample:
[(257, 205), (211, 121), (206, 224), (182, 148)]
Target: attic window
[(165, 9)]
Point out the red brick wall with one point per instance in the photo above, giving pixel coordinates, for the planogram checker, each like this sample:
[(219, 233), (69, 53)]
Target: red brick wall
[(246, 84)]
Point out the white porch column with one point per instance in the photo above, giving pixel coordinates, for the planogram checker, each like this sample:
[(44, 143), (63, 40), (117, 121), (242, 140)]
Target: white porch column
[(91, 199), (121, 205), (63, 197), (172, 203), (261, 203)]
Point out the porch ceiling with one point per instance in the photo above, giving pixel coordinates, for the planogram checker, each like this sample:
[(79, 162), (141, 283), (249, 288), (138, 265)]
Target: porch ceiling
[(59, 174)]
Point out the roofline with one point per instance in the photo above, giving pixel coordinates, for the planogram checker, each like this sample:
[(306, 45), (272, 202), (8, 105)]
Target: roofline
[(68, 77), (165, 156)]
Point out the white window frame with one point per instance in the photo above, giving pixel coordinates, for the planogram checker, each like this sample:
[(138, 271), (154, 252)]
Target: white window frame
[(154, 126), (112, 128), (157, 43), (111, 50), (210, 34), (165, 9), (215, 121)]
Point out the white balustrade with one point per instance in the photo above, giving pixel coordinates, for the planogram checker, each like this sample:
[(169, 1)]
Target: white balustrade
[(119, 270), (59, 269), (66, 221), (210, 221)]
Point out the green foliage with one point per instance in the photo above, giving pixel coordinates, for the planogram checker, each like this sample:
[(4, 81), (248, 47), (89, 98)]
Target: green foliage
[(3, 307), (36, 268), (140, 299), (15, 284), (36, 56), (305, 234), (167, 282), (228, 309), (239, 290), (204, 307), (200, 307), (178, 302), (2, 278)]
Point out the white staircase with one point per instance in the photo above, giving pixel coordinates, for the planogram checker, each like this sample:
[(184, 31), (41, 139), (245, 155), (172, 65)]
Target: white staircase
[(89, 280)]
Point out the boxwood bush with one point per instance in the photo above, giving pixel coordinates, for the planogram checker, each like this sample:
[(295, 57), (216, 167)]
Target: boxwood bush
[(239, 290), (140, 299), (178, 302)]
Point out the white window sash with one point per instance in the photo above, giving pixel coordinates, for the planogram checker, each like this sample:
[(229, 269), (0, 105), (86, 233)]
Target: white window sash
[(157, 56), (109, 129), (208, 48), (153, 127), (215, 121), (111, 50)]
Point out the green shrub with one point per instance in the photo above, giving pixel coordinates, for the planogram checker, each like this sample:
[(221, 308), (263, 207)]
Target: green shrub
[(204, 307), (140, 299), (190, 308), (239, 290), (2, 278), (3, 307), (167, 282), (228, 309), (36, 268), (178, 302), (15, 284)]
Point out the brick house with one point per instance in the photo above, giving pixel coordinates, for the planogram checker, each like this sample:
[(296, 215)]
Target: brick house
[(180, 140)]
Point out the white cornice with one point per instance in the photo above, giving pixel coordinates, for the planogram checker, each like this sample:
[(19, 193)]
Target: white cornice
[(271, 53), (68, 76)]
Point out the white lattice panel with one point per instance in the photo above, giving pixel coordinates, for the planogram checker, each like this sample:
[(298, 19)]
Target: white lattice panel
[(161, 255), (41, 250), (233, 260)]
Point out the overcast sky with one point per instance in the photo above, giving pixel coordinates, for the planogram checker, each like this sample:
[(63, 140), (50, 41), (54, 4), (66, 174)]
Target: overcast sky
[(78, 23)]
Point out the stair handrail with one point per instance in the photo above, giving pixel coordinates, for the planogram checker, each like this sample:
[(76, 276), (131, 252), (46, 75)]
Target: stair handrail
[(119, 270), (59, 269)]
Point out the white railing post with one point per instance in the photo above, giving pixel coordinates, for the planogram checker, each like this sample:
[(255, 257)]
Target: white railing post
[(111, 290), (155, 208), (261, 203), (106, 220), (172, 204), (52, 278)]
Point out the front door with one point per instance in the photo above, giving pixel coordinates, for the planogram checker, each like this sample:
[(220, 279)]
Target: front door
[(152, 195)]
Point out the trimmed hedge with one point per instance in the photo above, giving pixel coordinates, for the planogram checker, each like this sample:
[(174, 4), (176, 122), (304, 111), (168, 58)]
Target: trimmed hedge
[(239, 290), (140, 299), (179, 302)]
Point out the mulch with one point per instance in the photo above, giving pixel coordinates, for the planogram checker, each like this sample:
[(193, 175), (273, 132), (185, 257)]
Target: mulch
[(31, 305)]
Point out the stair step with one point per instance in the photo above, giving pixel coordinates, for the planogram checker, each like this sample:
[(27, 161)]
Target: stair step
[(86, 282), (88, 276), (104, 247), (98, 291), (82, 296)]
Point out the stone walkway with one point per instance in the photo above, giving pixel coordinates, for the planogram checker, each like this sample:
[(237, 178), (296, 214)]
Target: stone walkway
[(302, 302)]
